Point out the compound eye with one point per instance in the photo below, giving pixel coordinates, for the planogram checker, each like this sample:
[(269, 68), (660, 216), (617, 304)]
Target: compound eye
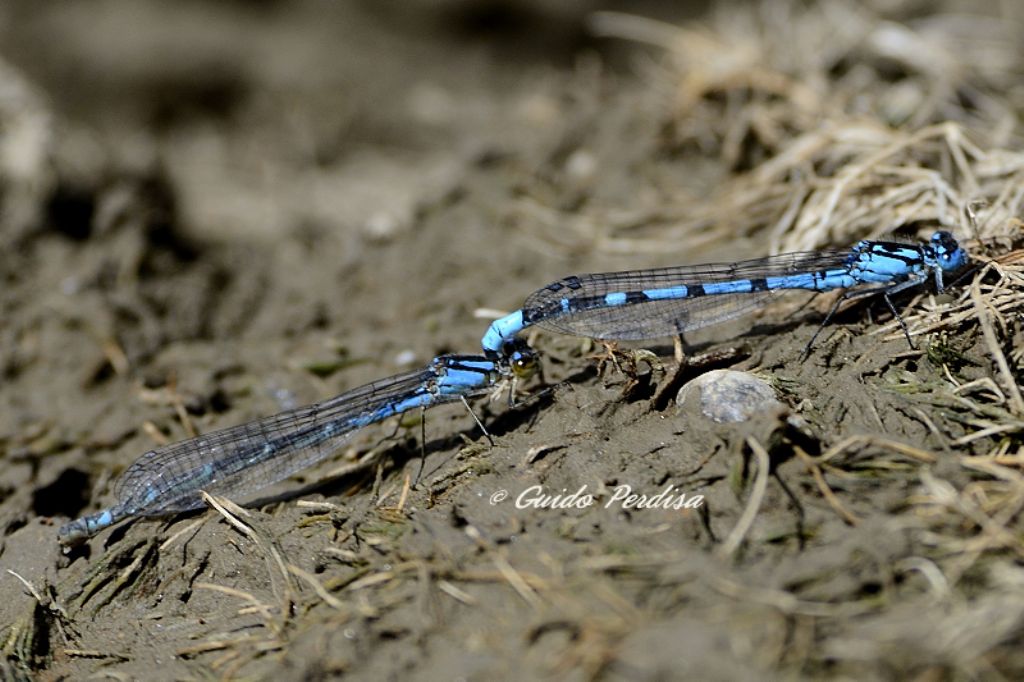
[(944, 240), (524, 365), (522, 359)]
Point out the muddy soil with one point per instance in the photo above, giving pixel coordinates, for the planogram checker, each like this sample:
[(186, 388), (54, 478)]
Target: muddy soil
[(218, 211)]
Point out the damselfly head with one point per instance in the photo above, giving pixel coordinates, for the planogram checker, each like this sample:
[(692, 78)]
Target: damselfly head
[(949, 255), (524, 365), (522, 359)]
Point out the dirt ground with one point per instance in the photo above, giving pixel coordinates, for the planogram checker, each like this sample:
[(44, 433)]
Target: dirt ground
[(215, 211)]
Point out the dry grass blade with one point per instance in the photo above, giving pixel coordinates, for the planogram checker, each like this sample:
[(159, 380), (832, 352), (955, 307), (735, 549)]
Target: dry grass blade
[(265, 610), (1009, 381), (826, 491), (853, 441), (321, 592), (284, 585), (746, 520), (514, 579)]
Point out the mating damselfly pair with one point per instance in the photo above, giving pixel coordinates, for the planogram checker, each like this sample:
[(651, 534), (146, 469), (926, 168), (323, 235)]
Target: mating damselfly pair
[(628, 305)]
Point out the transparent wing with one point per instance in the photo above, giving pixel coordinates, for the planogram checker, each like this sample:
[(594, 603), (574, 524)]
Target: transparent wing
[(641, 319), (247, 457)]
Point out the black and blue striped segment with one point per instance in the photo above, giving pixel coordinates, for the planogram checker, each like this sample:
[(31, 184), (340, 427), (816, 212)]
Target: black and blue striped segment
[(641, 304)]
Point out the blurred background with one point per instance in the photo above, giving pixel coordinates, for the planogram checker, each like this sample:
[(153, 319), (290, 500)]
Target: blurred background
[(213, 210)]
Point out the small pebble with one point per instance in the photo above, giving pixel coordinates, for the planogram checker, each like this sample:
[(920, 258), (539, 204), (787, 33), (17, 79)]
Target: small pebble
[(728, 396)]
